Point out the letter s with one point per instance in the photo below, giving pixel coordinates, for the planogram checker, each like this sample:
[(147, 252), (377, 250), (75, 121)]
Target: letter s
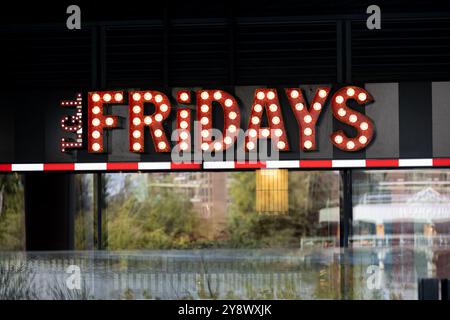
[(363, 124)]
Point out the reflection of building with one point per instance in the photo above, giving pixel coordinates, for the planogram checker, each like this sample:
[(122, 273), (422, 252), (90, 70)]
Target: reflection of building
[(208, 193)]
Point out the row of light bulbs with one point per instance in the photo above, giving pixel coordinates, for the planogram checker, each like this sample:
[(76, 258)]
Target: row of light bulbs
[(264, 99)]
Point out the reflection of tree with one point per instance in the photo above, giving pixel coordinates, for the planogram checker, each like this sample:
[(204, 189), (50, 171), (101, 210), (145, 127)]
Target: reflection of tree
[(308, 192), (11, 213), (162, 220), (154, 212)]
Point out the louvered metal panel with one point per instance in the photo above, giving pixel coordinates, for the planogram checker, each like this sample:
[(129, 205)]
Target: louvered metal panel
[(286, 53), (199, 55), (403, 50), (47, 59), (134, 56)]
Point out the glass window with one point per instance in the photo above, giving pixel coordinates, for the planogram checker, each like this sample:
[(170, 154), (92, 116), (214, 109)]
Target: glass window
[(85, 222), (401, 229), (262, 209), (12, 213)]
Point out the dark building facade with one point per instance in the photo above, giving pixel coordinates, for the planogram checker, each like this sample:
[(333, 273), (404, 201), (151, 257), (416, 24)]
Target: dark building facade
[(386, 205)]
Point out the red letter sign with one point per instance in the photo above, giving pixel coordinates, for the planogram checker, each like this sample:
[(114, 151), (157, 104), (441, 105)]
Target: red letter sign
[(232, 120), (97, 121), (344, 114), (138, 120), (307, 116), (266, 98), (184, 121)]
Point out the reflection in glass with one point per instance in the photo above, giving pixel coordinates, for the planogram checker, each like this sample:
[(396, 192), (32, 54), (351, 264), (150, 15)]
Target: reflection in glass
[(219, 209), (405, 216), (84, 212), (12, 212)]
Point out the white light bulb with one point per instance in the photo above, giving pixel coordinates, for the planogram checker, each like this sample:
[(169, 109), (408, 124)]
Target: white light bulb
[(147, 96), (136, 146), (136, 134), (232, 128), (158, 117), (136, 96), (204, 108), (96, 147), (363, 139), (232, 115), (281, 145), (364, 126), (184, 96), (163, 107), (307, 144), (350, 145), (317, 106), (217, 95), (342, 112), (148, 120), (270, 95), (161, 145), (252, 133), (205, 133), (278, 132), (228, 103), (95, 110), (299, 106), (95, 134), (362, 96), (204, 121), (250, 145), (338, 139), (257, 108), (307, 131), (136, 121), (107, 97), (184, 114), (350, 92), (96, 122), (118, 97), (205, 146), (255, 120), (109, 121), (260, 95), (295, 94), (159, 98), (276, 120), (322, 93), (136, 109), (95, 97), (339, 99), (266, 132), (353, 118), (228, 140), (184, 135), (158, 133), (183, 146), (204, 95), (273, 107), (307, 118), (217, 146), (184, 124)]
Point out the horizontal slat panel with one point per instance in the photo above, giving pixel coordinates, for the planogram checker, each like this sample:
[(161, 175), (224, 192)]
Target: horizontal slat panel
[(403, 50)]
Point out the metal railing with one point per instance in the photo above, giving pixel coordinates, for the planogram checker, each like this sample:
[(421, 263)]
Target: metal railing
[(414, 240)]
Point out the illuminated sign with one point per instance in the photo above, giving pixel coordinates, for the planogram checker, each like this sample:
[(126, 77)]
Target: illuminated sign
[(372, 125), (265, 122)]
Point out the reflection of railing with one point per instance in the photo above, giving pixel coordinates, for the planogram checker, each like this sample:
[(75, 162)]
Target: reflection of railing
[(415, 240)]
